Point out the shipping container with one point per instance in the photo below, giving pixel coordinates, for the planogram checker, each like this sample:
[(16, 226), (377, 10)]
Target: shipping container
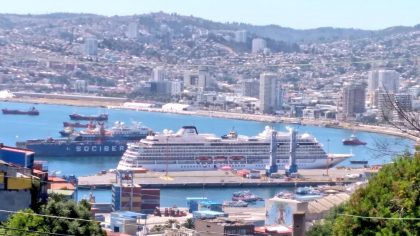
[(21, 157)]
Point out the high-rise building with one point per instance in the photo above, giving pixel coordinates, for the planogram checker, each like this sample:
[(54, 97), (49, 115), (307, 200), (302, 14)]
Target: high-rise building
[(271, 93), (158, 74), (373, 77), (80, 86), (387, 80), (240, 36), (353, 99), (176, 87), (250, 88), (91, 46), (385, 105), (404, 102), (205, 80), (132, 30), (258, 45), (190, 79)]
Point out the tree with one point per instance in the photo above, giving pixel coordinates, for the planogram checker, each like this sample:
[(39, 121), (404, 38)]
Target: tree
[(23, 221), (386, 206), (189, 223), (325, 227), (57, 206)]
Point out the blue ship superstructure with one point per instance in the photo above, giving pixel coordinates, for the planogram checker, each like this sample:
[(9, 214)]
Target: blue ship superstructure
[(89, 142)]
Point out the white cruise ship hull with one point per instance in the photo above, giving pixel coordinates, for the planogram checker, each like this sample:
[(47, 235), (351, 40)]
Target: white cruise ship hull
[(302, 164)]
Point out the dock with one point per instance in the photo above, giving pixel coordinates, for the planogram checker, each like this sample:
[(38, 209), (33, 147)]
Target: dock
[(219, 178)]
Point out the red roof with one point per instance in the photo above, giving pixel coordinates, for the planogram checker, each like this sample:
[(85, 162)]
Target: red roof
[(58, 186), (56, 179), (278, 229), (111, 233)]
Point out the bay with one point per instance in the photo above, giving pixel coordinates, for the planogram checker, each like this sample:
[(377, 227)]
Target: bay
[(19, 128)]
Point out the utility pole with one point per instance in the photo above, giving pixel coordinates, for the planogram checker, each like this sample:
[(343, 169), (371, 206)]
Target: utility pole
[(328, 155)]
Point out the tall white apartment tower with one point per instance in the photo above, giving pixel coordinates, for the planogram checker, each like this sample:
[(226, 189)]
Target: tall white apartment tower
[(386, 80), (258, 45), (271, 93), (240, 36), (133, 30), (91, 46), (158, 74)]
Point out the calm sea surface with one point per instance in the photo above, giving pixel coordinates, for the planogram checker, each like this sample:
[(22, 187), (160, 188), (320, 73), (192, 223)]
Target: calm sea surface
[(19, 128)]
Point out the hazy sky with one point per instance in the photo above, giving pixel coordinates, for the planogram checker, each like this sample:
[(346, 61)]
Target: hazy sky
[(301, 14)]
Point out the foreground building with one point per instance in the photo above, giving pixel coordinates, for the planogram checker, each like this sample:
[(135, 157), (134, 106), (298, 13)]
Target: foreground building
[(221, 226)]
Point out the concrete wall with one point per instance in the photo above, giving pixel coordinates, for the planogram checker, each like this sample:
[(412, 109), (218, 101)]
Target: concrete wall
[(13, 201)]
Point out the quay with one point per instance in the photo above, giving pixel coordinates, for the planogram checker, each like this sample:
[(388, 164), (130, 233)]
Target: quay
[(219, 178)]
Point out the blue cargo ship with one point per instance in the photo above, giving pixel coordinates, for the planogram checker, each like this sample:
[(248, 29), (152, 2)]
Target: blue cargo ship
[(89, 142)]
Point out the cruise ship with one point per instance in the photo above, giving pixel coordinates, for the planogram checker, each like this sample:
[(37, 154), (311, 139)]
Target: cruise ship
[(188, 150)]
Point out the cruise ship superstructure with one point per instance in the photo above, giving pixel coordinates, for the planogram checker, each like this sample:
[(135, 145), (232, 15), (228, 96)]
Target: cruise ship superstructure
[(188, 150)]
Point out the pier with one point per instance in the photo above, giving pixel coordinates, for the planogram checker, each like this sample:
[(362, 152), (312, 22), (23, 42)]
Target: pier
[(219, 178)]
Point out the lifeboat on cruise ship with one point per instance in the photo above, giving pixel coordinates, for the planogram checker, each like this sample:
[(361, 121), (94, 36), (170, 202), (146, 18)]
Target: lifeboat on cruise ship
[(204, 159), (220, 158), (236, 158)]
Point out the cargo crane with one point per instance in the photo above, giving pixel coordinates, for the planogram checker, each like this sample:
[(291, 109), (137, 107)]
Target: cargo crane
[(291, 167), (272, 167)]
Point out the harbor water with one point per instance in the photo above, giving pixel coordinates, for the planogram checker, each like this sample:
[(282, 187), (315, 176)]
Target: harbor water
[(379, 149)]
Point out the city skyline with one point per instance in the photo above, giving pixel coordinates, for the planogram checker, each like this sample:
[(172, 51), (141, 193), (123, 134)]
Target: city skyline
[(299, 14)]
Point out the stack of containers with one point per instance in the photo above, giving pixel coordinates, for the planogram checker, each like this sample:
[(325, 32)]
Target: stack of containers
[(210, 205), (150, 200), (126, 197), (192, 203)]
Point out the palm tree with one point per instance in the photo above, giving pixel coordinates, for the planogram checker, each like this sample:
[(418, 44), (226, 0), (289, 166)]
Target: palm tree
[(170, 222), (189, 223)]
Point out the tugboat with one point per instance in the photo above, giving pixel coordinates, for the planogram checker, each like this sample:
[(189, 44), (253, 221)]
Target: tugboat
[(32, 112), (353, 140)]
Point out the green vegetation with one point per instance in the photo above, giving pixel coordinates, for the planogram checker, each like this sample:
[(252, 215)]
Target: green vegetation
[(27, 222), (189, 223), (393, 193)]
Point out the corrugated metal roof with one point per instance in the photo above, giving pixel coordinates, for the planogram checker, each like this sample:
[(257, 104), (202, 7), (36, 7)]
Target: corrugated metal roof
[(326, 203)]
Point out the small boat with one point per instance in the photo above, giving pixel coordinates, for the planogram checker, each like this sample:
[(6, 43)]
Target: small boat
[(78, 125), (245, 196), (360, 162), (67, 131), (353, 140), (32, 112), (101, 117), (287, 195), (235, 204), (307, 194)]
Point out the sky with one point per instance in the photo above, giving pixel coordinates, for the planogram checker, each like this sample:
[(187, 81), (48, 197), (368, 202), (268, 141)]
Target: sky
[(298, 14)]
